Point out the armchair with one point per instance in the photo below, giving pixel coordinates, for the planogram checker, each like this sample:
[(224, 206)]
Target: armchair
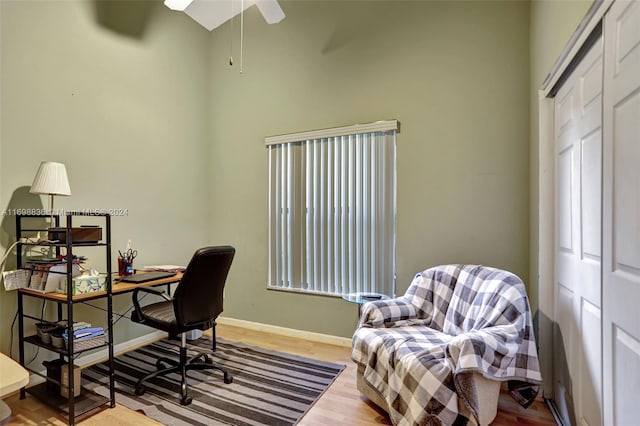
[(195, 305), (437, 354)]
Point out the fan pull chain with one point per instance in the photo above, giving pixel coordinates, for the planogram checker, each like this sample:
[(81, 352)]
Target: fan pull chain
[(231, 38), (241, 32)]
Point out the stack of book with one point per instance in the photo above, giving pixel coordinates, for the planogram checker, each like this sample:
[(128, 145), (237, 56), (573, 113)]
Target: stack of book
[(84, 335)]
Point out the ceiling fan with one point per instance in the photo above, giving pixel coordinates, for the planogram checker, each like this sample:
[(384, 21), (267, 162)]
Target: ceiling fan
[(213, 13)]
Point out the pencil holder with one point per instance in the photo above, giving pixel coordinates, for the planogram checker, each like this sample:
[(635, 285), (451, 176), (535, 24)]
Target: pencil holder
[(125, 267)]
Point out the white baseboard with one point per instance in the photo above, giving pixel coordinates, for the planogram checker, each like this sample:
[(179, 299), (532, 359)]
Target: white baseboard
[(284, 331)]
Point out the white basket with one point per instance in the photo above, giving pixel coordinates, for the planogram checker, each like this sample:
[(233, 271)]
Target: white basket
[(193, 334), (14, 280)]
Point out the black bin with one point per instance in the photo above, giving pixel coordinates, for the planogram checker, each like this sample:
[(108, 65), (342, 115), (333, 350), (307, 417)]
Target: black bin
[(54, 371)]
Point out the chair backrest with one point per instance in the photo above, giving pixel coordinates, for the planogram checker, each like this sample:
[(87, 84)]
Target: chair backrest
[(458, 298), (198, 297)]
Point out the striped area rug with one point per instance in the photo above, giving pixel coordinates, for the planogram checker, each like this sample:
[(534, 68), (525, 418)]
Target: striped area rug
[(269, 387)]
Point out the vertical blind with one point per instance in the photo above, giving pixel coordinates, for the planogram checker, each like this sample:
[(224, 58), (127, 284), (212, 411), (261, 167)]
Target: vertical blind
[(332, 206)]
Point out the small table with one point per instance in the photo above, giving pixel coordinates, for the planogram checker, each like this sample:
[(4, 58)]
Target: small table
[(12, 378), (360, 298)]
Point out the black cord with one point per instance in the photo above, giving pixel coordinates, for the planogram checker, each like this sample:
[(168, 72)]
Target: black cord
[(120, 316), (13, 323), (44, 302)]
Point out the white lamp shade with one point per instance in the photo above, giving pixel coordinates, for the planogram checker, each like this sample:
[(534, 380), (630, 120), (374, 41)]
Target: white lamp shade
[(51, 178)]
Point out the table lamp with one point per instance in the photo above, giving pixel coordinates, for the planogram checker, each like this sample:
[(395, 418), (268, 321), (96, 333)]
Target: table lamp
[(51, 179)]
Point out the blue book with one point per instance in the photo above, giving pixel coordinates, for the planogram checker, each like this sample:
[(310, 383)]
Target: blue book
[(85, 333)]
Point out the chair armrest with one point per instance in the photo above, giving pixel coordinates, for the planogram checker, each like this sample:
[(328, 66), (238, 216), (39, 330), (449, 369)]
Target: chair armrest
[(468, 349), (382, 312), (500, 352), (151, 290)]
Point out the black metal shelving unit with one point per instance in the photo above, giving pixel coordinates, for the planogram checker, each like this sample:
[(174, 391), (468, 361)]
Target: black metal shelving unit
[(73, 406)]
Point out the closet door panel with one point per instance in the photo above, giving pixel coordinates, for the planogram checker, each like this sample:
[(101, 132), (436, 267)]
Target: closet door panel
[(626, 186), (578, 151), (590, 364), (591, 196), (621, 214)]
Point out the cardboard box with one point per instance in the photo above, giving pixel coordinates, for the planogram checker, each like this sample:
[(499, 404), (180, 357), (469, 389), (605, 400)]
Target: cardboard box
[(77, 373)]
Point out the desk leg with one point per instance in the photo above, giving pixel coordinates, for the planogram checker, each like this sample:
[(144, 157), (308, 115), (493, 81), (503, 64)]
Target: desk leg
[(21, 336)]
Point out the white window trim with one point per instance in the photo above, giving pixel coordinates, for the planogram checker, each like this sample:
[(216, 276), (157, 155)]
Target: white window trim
[(336, 132), (378, 126)]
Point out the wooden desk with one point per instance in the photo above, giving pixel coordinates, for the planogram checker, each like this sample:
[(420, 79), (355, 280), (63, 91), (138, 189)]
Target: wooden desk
[(116, 288), (121, 287)]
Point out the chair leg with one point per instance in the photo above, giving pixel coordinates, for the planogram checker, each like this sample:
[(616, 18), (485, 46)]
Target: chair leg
[(213, 339), (139, 388), (185, 399), (198, 357), (228, 378), (181, 367), (168, 361)]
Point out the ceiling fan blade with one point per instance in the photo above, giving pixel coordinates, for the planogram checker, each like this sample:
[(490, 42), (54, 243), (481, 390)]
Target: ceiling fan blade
[(213, 13), (271, 11), (177, 4)]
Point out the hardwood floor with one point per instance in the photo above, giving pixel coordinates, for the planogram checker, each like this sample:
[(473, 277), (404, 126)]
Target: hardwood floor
[(341, 404)]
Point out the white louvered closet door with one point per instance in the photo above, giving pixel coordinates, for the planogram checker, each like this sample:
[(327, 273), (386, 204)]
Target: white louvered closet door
[(621, 214)]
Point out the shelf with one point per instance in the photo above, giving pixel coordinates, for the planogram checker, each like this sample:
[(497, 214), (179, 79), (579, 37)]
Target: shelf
[(62, 297), (88, 400), (35, 340), (83, 403), (67, 213), (43, 244)]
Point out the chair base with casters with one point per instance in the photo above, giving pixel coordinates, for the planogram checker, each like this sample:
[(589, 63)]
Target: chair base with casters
[(195, 305), (200, 361)]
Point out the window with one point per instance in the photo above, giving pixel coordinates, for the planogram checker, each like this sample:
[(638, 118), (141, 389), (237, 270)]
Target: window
[(332, 207)]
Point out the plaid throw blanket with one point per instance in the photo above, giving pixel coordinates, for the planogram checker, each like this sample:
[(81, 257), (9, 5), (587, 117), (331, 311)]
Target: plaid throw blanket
[(418, 350)]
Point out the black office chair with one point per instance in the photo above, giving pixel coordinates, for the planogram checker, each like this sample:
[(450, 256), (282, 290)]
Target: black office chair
[(196, 303)]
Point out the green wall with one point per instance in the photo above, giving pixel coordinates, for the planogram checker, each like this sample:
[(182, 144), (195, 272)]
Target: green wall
[(118, 92), (456, 76), (142, 106)]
